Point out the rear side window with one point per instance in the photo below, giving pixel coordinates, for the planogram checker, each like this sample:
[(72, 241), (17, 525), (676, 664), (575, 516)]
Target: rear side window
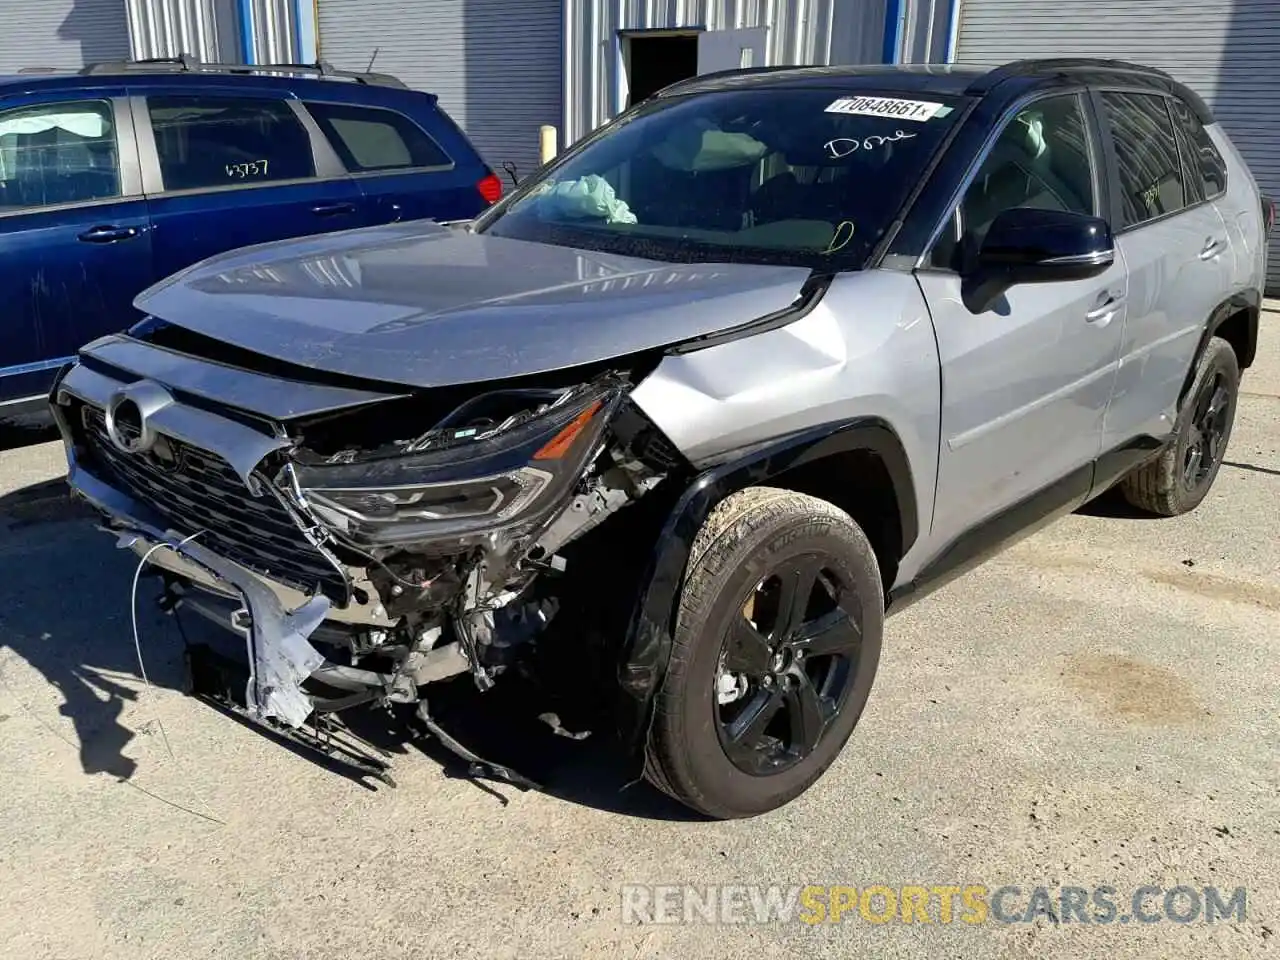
[(211, 141), (1151, 182), (372, 139), (1204, 161), (57, 154)]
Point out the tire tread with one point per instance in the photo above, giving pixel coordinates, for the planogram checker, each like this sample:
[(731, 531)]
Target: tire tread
[(1155, 487), (736, 518)]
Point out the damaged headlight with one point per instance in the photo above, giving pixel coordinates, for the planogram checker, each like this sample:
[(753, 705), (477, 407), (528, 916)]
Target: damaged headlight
[(474, 478)]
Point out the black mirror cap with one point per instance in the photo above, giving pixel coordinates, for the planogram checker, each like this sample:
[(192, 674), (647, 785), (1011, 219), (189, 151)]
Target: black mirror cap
[(1056, 242), (1024, 245)]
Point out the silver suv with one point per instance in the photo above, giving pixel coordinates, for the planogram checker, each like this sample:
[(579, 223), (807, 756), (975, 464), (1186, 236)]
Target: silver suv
[(667, 432)]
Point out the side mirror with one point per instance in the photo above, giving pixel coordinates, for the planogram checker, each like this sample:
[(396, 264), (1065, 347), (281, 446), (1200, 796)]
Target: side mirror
[(1023, 245)]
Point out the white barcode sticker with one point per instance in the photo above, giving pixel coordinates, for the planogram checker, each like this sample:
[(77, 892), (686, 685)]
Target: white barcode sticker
[(889, 107)]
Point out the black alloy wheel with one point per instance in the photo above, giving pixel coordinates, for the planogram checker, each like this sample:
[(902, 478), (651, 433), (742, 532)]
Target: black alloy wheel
[(774, 653), (787, 665), (1178, 478), (1210, 424)]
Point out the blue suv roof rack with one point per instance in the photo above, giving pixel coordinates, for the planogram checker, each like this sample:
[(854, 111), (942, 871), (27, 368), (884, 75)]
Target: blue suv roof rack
[(185, 63)]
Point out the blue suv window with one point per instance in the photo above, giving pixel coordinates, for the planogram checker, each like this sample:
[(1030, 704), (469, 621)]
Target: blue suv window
[(370, 139), (56, 154), (212, 141)]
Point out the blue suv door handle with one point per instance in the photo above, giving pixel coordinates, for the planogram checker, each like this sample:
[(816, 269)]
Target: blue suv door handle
[(109, 234), (333, 209)]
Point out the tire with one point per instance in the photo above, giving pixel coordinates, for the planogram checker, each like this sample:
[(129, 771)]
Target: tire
[(752, 544), (1169, 485)]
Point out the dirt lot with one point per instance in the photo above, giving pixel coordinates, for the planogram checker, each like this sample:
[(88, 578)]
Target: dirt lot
[(1096, 707)]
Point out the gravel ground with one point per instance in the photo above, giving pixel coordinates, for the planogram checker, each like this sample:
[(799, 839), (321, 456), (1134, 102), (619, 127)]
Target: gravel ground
[(1095, 707)]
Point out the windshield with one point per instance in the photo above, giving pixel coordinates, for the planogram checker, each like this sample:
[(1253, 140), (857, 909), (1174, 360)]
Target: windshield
[(806, 176)]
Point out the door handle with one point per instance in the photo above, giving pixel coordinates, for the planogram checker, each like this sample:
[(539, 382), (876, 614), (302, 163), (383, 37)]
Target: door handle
[(333, 209), (108, 234), (1108, 305), (1212, 247)]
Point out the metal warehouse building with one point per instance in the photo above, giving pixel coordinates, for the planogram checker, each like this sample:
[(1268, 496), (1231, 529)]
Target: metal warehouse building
[(503, 68)]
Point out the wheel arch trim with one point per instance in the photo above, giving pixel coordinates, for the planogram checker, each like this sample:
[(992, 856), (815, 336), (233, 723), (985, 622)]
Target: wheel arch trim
[(646, 648), (1249, 302)]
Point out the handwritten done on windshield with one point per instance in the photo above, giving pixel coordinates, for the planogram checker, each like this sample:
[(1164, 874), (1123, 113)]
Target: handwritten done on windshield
[(843, 146)]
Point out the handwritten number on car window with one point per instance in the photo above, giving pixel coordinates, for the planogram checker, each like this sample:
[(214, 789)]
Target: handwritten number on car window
[(247, 170)]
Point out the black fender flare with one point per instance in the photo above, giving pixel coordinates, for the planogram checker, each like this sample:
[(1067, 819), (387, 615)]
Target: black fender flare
[(1250, 302), (646, 649)]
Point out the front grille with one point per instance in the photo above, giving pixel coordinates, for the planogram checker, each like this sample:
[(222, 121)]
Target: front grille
[(193, 489)]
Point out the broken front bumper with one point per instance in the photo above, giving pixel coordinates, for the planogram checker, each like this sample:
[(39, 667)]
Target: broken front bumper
[(275, 618), (280, 656)]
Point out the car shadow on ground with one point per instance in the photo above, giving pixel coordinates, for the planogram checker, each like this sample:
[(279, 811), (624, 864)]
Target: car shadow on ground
[(58, 573), (67, 617), (1112, 505)]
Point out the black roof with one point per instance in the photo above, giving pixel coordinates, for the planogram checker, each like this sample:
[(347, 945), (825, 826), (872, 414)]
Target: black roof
[(186, 64), (958, 79), (916, 77)]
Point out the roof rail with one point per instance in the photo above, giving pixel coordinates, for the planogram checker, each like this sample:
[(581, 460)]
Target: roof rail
[(185, 63), (1059, 65), (1065, 66)]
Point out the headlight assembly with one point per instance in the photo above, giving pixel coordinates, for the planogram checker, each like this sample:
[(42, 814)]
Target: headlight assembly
[(508, 476)]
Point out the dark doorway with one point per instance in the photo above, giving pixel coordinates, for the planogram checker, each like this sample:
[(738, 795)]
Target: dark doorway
[(654, 62)]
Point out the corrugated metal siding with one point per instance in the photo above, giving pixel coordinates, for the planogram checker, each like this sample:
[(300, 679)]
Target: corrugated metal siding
[(205, 29), (63, 34), (800, 31), (1226, 50), (494, 64), (274, 30), (857, 32), (926, 31)]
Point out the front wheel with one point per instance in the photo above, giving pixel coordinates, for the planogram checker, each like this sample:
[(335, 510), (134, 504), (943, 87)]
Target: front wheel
[(775, 649)]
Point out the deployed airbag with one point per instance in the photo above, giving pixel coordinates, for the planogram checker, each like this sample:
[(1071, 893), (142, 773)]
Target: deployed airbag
[(691, 150), (590, 197)]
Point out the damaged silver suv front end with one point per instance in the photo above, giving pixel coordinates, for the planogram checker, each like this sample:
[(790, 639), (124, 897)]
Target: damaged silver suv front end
[(359, 559)]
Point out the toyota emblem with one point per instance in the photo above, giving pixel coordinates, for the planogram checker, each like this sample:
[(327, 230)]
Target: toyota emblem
[(130, 413)]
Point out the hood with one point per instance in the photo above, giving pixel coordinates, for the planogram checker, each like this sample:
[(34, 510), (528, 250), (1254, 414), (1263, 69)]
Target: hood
[(424, 305)]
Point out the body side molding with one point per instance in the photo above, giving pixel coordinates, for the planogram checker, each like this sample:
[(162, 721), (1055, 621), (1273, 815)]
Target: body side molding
[(991, 536)]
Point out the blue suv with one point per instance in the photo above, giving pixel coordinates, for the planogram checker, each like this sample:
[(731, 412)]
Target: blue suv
[(113, 178)]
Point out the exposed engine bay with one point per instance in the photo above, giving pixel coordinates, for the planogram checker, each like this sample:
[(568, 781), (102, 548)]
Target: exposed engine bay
[(456, 564), (365, 553)]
